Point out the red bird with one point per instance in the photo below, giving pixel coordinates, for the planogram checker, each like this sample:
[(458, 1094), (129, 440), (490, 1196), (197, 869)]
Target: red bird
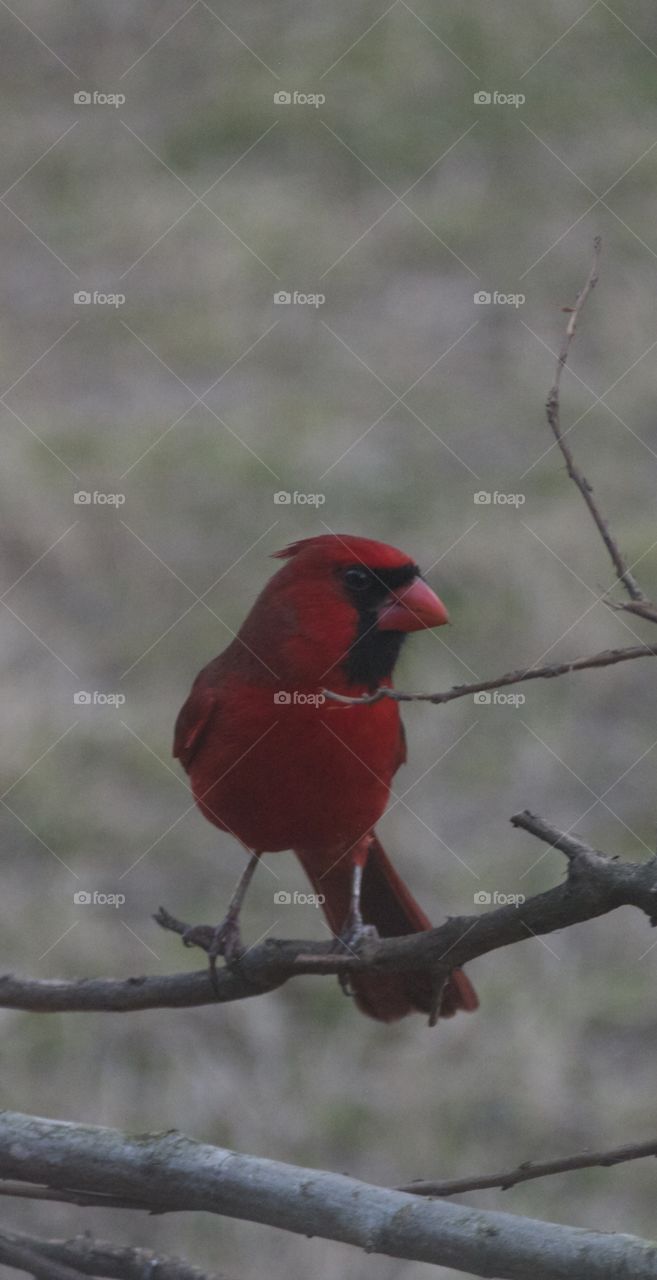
[(280, 768)]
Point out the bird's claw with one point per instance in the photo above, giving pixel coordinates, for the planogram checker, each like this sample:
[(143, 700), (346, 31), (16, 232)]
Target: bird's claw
[(354, 935), (199, 935), (224, 940)]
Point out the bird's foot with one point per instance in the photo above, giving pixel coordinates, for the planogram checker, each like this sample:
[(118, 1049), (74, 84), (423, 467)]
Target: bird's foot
[(353, 935), (223, 939)]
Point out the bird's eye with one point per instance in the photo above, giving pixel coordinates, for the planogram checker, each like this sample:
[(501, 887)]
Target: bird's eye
[(357, 579)]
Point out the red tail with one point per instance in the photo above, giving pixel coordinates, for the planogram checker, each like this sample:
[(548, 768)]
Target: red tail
[(387, 904)]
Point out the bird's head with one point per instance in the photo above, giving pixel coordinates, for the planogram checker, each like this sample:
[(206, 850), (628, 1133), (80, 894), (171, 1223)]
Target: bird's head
[(343, 606)]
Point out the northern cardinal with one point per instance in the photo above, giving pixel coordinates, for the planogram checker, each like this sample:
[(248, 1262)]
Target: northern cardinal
[(281, 768)]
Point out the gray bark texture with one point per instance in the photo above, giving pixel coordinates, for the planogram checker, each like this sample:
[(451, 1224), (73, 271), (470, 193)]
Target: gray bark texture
[(168, 1172)]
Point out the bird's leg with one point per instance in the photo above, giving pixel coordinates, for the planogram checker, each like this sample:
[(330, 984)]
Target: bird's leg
[(354, 931), (226, 939)]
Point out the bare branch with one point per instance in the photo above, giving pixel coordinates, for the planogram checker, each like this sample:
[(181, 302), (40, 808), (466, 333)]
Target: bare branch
[(574, 848), (23, 1258), (595, 885), (172, 1173), (606, 658), (531, 1169), (554, 419), (638, 603), (87, 1199), (642, 609), (84, 1256)]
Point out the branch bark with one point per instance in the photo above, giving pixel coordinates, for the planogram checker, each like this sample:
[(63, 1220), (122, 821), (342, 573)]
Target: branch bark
[(84, 1256), (595, 885), (22, 1257), (531, 1169), (171, 1173), (606, 658)]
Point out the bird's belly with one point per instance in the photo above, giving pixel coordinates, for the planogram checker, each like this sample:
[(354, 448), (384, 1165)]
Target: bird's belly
[(314, 779)]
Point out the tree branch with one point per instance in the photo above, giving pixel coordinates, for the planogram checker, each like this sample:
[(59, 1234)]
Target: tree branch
[(638, 603), (595, 885), (172, 1173), (554, 419), (530, 1169), (84, 1256), (24, 1258), (606, 658)]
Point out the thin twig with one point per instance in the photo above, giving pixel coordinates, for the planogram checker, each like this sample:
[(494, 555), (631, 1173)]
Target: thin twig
[(571, 845), (554, 419), (606, 658), (530, 1169), (638, 604), (68, 1195)]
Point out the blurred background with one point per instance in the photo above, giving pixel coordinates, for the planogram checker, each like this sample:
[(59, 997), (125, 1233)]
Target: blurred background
[(433, 174)]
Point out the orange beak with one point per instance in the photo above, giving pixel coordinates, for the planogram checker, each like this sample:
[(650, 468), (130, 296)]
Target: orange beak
[(412, 609)]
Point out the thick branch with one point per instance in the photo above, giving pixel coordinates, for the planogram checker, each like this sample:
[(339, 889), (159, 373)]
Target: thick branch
[(22, 1257), (531, 1169), (171, 1173), (606, 658), (84, 1256), (595, 886)]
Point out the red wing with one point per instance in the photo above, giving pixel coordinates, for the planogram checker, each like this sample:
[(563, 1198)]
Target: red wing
[(193, 721)]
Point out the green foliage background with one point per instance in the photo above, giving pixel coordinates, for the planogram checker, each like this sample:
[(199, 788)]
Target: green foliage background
[(499, 198)]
